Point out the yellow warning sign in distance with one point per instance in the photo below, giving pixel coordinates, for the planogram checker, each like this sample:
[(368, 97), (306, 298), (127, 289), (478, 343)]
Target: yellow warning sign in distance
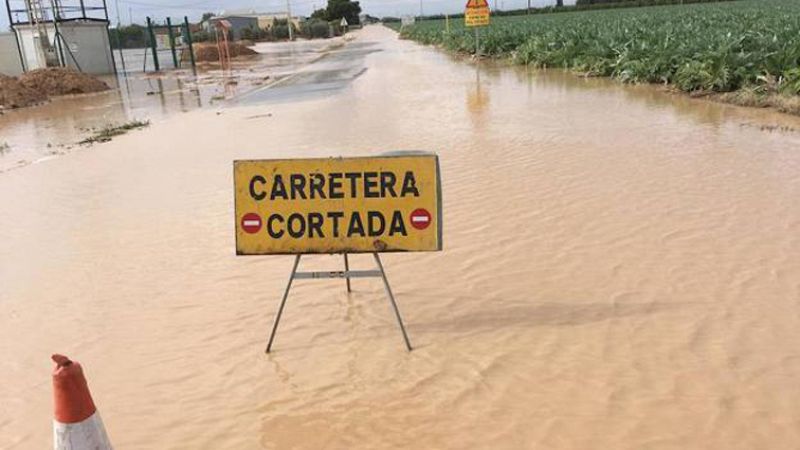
[(388, 203), (476, 13)]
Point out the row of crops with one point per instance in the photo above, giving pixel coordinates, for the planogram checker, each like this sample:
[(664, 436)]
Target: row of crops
[(719, 47)]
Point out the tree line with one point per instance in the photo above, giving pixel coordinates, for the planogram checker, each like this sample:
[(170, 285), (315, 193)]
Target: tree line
[(324, 22)]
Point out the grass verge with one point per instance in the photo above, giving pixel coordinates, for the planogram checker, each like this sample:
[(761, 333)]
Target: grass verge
[(109, 132)]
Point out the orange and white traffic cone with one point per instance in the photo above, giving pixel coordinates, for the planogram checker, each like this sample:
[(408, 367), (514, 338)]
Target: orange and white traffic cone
[(77, 424)]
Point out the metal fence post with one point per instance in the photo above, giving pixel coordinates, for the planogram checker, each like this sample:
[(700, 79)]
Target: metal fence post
[(189, 40), (153, 46), (172, 43)]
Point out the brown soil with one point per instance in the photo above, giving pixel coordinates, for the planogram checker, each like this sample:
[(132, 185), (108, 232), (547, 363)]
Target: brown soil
[(207, 52), (13, 94), (54, 81), (39, 85)]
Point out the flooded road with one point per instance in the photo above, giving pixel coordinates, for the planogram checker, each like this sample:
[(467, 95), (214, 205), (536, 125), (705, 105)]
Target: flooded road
[(620, 270), (34, 135)]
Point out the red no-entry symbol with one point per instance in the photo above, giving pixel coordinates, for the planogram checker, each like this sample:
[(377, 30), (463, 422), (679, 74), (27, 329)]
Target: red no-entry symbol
[(420, 218), (251, 223)]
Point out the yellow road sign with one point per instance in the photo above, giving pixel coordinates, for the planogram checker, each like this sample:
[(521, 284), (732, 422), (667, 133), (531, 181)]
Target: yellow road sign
[(476, 13), (387, 203)]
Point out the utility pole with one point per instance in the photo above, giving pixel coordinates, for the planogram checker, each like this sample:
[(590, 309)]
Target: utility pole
[(421, 13), (529, 6), (119, 19), (119, 41), (289, 19)]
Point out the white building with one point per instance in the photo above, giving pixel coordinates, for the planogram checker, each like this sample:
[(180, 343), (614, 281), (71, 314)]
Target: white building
[(250, 19), (77, 38)]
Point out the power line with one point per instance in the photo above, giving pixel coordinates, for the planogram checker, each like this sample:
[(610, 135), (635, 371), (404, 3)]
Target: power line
[(154, 5)]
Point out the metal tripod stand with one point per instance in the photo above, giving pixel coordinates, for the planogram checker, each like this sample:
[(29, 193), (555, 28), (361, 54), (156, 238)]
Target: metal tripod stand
[(346, 274)]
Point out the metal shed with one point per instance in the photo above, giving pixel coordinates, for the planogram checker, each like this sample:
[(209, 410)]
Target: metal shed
[(238, 23), (10, 62), (61, 34)]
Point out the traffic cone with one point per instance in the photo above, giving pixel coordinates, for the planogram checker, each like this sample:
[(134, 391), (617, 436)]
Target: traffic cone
[(77, 424)]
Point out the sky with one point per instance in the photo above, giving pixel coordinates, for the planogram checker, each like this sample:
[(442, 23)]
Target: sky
[(137, 10)]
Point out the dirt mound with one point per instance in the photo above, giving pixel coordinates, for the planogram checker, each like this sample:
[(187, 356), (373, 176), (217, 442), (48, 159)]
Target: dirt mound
[(54, 81), (207, 52), (14, 94)]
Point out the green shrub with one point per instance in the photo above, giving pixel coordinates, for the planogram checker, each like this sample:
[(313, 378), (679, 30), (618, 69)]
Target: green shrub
[(315, 28), (718, 47)]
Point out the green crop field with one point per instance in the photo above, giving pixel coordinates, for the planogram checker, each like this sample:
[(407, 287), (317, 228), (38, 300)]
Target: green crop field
[(717, 47)]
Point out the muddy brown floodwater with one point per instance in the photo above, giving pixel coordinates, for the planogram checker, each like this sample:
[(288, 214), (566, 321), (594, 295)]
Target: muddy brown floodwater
[(620, 270), (35, 135)]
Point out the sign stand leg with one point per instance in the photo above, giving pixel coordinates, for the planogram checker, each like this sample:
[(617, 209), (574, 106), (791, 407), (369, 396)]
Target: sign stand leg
[(347, 274), (391, 299), (477, 44), (283, 303), (347, 269)]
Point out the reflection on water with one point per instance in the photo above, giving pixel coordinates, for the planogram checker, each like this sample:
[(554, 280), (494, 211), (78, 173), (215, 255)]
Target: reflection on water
[(329, 73), (40, 133), (477, 99)]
